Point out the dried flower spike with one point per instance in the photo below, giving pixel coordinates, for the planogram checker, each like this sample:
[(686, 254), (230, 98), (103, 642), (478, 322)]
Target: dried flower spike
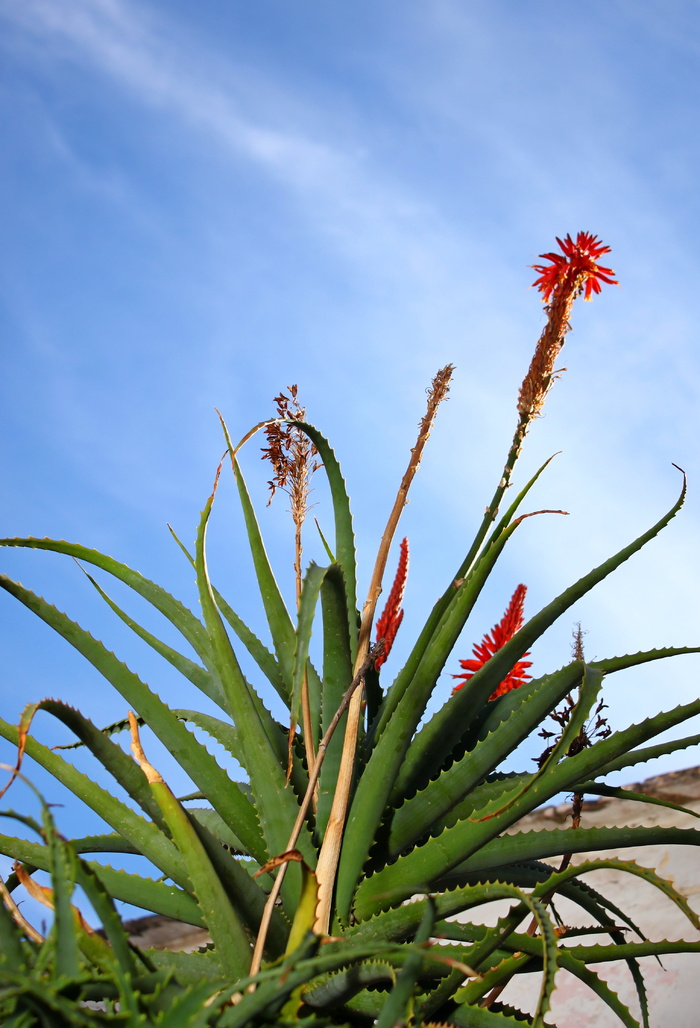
[(289, 451), (291, 454), (506, 628), (392, 615)]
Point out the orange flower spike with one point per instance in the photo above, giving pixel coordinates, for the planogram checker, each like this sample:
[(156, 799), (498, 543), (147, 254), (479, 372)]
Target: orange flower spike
[(392, 615), (577, 268), (499, 635)]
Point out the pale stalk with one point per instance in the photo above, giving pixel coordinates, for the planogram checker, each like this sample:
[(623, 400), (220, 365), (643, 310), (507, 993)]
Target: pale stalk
[(329, 856), (305, 804), (531, 398)]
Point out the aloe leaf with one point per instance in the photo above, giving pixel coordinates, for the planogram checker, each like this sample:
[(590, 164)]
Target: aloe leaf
[(398, 1007), (645, 753), (601, 908), (278, 618), (259, 652), (512, 849), (629, 867), (513, 720), (341, 987), (183, 619), (310, 591), (600, 987), (112, 757), (602, 953), (608, 665), (480, 954), (503, 708), (238, 880), (144, 835), (531, 873), (400, 922), (192, 756), (328, 584), (189, 669), (41, 996), (227, 735), (598, 789), (571, 772), (573, 959), (188, 968), (274, 985), (337, 675), (587, 763), (222, 919), (442, 733), (209, 819), (469, 1016), (471, 846), (194, 1008), (589, 691), (590, 687), (437, 615), (151, 895), (344, 535), (271, 667), (394, 748), (63, 863), (277, 807), (102, 904)]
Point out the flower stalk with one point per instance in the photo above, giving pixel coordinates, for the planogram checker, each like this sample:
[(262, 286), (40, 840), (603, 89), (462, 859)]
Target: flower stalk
[(330, 849)]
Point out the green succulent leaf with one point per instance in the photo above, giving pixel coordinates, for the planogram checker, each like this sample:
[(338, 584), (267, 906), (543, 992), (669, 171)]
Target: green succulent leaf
[(143, 835), (276, 806), (179, 616), (442, 733), (193, 757)]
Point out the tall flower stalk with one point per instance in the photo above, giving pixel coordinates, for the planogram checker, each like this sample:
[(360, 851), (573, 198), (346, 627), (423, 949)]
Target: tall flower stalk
[(561, 281)]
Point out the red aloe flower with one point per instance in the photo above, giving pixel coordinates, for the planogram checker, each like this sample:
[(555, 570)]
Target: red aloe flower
[(506, 628), (580, 262), (392, 615)]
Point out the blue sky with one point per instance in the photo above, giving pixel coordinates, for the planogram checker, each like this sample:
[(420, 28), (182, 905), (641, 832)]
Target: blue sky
[(203, 203)]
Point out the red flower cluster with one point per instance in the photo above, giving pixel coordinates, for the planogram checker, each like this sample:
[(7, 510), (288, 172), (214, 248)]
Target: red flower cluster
[(506, 628), (392, 615), (579, 261)]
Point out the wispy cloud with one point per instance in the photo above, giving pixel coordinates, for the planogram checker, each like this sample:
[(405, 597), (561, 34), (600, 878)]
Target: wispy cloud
[(364, 212)]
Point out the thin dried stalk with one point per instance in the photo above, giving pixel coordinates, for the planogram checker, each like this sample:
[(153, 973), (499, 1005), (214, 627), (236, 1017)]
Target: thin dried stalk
[(18, 917), (330, 850)]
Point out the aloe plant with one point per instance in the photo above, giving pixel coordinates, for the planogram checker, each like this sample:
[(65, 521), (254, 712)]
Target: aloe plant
[(364, 833)]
